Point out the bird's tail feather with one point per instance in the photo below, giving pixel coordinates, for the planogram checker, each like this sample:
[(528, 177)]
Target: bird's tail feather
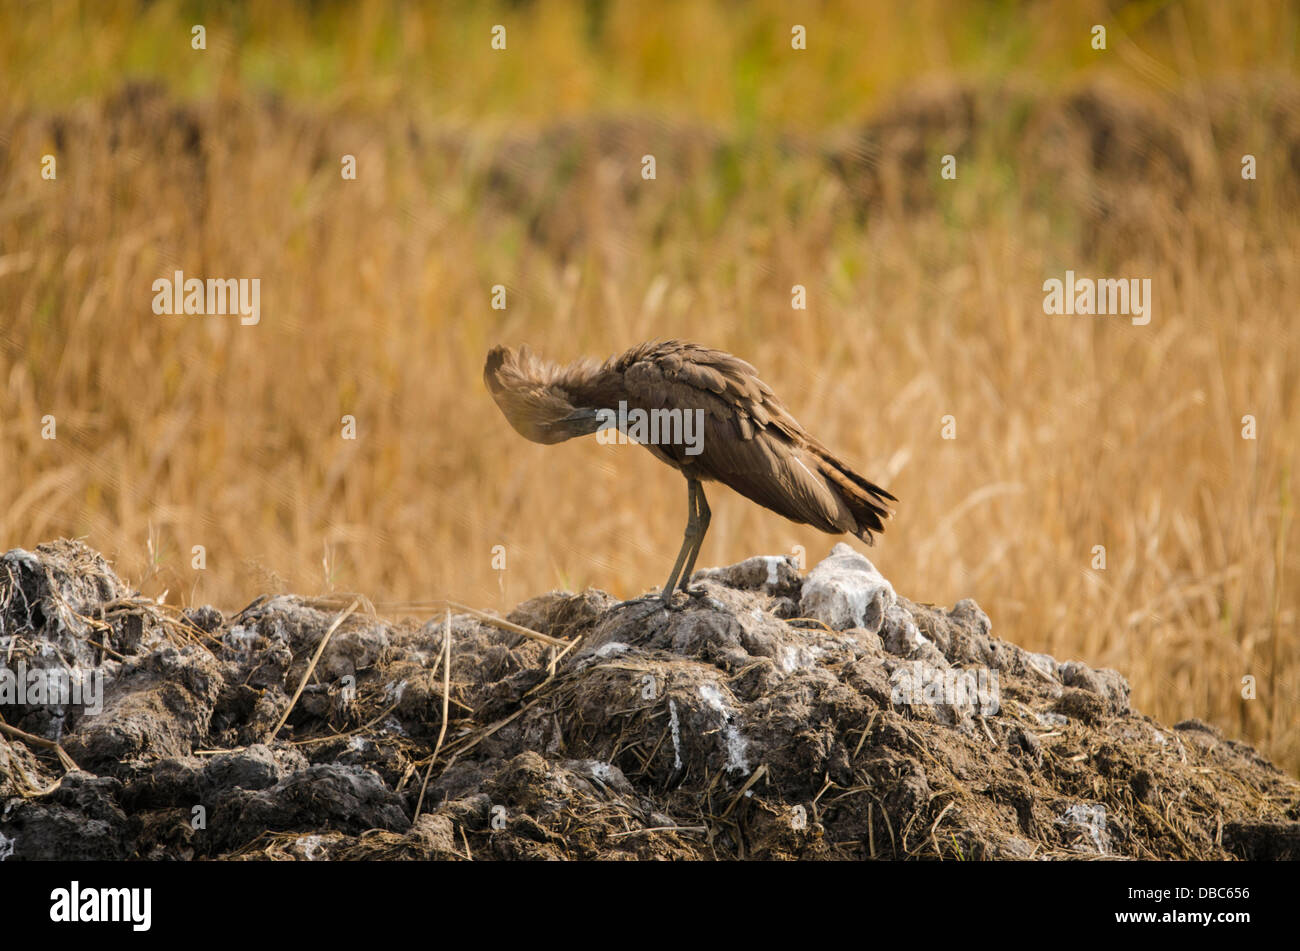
[(864, 499)]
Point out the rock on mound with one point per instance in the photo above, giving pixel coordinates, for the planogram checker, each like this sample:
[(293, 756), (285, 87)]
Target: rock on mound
[(769, 715)]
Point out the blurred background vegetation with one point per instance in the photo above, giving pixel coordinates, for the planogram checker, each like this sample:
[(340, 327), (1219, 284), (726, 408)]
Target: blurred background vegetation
[(720, 60), (776, 167)]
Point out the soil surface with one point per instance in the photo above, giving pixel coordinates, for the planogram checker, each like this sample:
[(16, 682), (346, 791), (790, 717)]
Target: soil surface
[(768, 715)]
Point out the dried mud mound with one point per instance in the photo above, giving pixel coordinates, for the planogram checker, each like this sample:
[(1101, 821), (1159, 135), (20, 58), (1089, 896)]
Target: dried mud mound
[(770, 715)]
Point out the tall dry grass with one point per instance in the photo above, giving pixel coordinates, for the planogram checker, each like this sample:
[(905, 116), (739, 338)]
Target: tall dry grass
[(925, 301)]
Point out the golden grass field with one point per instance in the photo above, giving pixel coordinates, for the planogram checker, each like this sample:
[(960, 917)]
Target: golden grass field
[(479, 167)]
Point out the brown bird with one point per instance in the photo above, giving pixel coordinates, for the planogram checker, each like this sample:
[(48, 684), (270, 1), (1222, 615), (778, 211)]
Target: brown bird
[(743, 436)]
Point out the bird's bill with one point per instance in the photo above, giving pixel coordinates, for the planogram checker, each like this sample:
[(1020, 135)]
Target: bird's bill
[(583, 422)]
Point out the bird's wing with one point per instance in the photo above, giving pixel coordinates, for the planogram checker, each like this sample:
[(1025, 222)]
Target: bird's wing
[(714, 380), (749, 441)]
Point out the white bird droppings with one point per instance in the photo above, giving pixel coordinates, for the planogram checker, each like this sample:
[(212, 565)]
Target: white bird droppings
[(737, 745), (677, 734)]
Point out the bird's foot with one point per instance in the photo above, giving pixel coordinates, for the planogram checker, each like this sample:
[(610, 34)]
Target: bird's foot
[(644, 606), (669, 601), (648, 604), (683, 597)]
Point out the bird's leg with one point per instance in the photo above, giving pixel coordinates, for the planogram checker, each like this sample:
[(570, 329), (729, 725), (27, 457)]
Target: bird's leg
[(702, 516), (688, 542)]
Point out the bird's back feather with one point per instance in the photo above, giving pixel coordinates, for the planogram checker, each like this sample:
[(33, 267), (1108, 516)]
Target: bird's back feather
[(750, 440)]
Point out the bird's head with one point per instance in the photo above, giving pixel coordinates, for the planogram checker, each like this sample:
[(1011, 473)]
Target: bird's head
[(532, 396)]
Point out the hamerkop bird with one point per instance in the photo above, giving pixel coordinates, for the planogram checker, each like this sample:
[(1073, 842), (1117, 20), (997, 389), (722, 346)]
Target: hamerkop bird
[(748, 441)]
